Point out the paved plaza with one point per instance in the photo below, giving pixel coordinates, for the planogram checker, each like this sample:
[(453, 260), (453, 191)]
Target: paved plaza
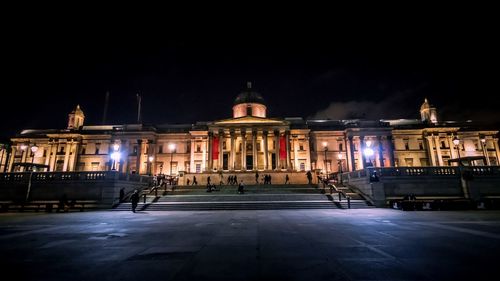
[(371, 244)]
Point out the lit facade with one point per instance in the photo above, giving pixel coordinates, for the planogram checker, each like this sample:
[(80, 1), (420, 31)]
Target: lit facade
[(251, 141)]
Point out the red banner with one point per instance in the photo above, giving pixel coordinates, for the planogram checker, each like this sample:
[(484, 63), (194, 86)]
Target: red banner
[(215, 148), (282, 148)]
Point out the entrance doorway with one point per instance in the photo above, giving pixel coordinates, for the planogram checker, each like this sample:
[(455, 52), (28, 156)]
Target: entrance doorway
[(273, 161), (225, 161), (249, 162)]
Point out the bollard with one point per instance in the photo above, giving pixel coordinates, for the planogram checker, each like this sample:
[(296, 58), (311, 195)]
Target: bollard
[(340, 197), (144, 198), (348, 202)]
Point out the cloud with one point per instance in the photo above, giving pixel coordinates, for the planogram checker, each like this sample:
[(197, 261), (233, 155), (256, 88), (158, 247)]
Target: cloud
[(404, 104)]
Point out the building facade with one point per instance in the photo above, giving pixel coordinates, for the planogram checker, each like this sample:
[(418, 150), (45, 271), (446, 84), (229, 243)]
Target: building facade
[(250, 141)]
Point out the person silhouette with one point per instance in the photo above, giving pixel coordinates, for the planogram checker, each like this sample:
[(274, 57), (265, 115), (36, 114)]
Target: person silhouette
[(135, 200), (287, 179)]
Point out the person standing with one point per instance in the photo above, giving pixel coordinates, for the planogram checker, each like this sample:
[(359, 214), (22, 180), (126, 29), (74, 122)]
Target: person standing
[(241, 188), (194, 181), (256, 177), (287, 179), (135, 200)]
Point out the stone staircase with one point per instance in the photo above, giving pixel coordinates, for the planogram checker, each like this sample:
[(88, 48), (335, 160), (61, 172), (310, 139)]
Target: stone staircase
[(357, 201), (256, 197)]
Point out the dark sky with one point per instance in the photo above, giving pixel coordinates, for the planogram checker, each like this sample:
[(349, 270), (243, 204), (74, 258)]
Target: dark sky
[(194, 74)]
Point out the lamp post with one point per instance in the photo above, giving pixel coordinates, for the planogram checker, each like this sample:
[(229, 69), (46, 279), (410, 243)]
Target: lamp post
[(151, 158), (115, 156), (325, 148), (485, 152), (171, 147), (340, 166), (456, 142), (34, 149)]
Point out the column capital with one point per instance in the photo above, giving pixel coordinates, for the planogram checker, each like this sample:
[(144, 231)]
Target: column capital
[(265, 132)]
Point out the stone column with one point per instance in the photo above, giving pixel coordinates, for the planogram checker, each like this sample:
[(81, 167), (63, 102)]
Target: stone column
[(254, 149), (11, 159), (124, 150), (47, 157), (380, 151), (438, 149), (221, 152), (277, 148), (351, 153), (266, 156), (287, 145), (204, 149), (232, 155), (452, 147), (138, 158), (497, 151), (390, 145), (74, 157), (191, 159), (430, 149), (243, 150), (295, 154), (210, 149), (66, 155)]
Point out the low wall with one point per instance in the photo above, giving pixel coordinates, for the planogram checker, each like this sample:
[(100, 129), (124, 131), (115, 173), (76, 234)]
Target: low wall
[(381, 184), (103, 187)]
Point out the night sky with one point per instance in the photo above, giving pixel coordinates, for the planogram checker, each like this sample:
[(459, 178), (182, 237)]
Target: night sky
[(190, 75)]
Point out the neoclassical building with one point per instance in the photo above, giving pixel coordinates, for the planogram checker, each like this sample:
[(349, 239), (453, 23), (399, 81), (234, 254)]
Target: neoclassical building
[(251, 141)]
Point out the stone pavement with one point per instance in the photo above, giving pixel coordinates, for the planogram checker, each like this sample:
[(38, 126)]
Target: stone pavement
[(368, 244)]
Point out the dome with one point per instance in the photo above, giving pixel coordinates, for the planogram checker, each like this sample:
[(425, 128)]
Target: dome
[(77, 110), (425, 105), (249, 96)]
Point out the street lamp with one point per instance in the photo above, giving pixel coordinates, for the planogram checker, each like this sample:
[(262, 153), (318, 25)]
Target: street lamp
[(171, 147), (456, 142), (34, 149), (325, 147), (340, 166), (151, 158), (115, 156), (485, 153), (368, 153)]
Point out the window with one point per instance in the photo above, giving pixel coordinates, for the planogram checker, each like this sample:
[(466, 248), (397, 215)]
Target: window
[(407, 144), (174, 168), (409, 162), (84, 149), (341, 147), (80, 166), (420, 144), (302, 166), (97, 146), (198, 147), (95, 166), (198, 167), (443, 145), (301, 146), (160, 149), (61, 150)]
